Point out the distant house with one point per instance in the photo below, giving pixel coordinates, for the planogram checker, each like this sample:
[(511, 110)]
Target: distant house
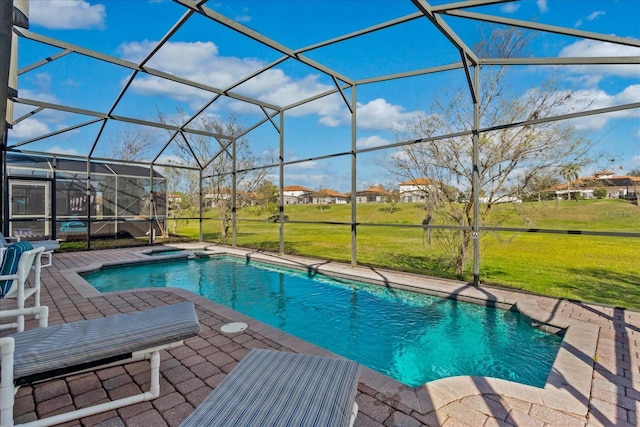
[(328, 197), (296, 195), (212, 199), (174, 199), (616, 186), (416, 190), (371, 195)]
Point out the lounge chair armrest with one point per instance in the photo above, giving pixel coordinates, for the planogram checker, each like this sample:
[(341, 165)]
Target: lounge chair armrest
[(42, 312)]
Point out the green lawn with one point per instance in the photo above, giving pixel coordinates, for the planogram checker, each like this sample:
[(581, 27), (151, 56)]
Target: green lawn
[(587, 268)]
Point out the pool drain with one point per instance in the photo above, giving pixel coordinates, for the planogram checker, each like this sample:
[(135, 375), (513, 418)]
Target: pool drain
[(231, 328)]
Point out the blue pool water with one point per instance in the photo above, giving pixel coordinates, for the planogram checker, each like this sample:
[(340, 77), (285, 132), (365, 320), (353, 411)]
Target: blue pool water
[(411, 337)]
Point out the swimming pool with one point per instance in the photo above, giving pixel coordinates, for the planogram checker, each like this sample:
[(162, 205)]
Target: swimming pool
[(411, 337)]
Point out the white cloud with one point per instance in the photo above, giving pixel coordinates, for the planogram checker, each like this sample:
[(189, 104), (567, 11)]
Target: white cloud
[(510, 7), (542, 6), (374, 115), (29, 128), (592, 48), (591, 17), (371, 141), (201, 62), (60, 150), (601, 99), (67, 14), (244, 16)]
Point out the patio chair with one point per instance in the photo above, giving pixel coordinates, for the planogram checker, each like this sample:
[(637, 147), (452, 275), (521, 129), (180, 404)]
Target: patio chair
[(50, 246), (18, 261), (50, 352), (274, 388)]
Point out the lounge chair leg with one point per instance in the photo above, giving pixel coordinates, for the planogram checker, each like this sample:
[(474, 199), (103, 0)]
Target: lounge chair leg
[(7, 348), (155, 374), (107, 406)]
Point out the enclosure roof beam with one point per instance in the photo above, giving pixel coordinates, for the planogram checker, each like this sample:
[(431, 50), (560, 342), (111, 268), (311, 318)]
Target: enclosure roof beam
[(133, 75), (568, 116), (193, 153), (424, 71), (509, 125), (54, 133), (100, 159), (371, 29), (133, 66), (315, 97), (27, 115), (267, 117), (260, 38), (589, 60), (444, 28), (466, 4), (44, 61), (545, 27), (101, 115), (467, 73)]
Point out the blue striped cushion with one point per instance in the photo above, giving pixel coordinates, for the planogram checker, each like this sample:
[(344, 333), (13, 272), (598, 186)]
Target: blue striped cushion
[(273, 388), (73, 344), (10, 264)]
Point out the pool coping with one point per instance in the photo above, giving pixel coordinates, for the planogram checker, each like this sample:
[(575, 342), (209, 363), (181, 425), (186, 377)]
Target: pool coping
[(567, 388)]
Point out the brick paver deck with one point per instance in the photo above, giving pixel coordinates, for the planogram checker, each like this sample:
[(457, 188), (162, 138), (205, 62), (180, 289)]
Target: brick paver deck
[(595, 380)]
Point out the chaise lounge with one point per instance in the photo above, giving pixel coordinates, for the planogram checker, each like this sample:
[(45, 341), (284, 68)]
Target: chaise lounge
[(39, 354), (17, 262), (278, 389), (49, 246)]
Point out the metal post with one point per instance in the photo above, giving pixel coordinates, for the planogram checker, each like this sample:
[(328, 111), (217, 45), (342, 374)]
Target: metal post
[(151, 201), (88, 204), (54, 204), (234, 188), (476, 182), (6, 33), (281, 186), (200, 203), (354, 211), (115, 203)]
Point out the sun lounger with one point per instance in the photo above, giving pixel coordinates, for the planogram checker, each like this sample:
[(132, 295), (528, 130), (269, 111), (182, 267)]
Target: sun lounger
[(18, 261), (50, 246), (273, 388), (49, 352)]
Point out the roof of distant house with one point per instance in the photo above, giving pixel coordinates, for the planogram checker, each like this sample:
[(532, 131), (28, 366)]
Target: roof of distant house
[(417, 181), (376, 190), (296, 188), (329, 193)]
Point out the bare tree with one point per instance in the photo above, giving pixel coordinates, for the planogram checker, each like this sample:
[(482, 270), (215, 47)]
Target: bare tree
[(570, 172), (133, 144), (183, 191), (213, 153), (511, 159)]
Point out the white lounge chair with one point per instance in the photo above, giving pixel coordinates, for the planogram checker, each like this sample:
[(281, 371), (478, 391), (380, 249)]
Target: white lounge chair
[(50, 246), (17, 262), (277, 389), (49, 352)]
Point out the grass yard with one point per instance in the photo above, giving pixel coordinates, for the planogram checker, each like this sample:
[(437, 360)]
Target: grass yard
[(598, 269)]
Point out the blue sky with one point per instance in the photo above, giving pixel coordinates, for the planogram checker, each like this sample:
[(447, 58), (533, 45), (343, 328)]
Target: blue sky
[(210, 53)]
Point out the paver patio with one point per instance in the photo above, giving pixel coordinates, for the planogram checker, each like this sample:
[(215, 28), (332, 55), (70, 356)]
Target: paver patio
[(595, 379)]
